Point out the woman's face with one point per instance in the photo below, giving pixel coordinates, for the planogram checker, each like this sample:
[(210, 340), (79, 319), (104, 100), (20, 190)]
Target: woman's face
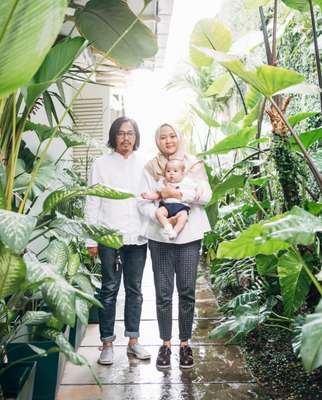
[(168, 141)]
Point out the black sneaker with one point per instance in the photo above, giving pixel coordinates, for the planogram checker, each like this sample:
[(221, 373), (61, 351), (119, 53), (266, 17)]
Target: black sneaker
[(186, 358), (163, 360)]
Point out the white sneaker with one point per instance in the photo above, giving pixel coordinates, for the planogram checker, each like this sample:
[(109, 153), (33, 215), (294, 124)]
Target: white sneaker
[(106, 356), (138, 351)]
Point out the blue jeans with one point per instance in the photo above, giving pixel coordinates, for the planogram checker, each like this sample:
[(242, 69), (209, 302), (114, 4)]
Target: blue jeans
[(133, 261)]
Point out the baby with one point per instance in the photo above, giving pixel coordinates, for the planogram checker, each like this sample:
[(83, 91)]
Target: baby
[(172, 207)]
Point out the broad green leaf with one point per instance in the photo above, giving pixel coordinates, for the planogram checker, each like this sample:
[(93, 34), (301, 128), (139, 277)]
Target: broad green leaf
[(296, 226), (56, 63), (259, 181), (16, 229), (208, 120), (231, 183), (299, 5), (12, 272), (317, 157), (79, 228), (311, 348), (294, 281), (226, 211), (70, 138), (35, 317), (82, 310), (249, 297), (98, 190), (221, 86), (74, 263), (307, 138), (103, 22), (208, 33), (58, 294), (266, 79), (64, 346), (255, 4), (250, 243), (297, 118), (252, 97), (28, 29), (84, 283), (266, 265), (313, 207), (233, 142), (252, 115), (45, 178), (246, 318), (57, 255)]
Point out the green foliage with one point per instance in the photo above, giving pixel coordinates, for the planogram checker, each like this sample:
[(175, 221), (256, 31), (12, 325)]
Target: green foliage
[(113, 29), (12, 272), (25, 32), (233, 182)]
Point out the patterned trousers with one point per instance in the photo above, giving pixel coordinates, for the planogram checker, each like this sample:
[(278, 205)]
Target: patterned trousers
[(181, 260)]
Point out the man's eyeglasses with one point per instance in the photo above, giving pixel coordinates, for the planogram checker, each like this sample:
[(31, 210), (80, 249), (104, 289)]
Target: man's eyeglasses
[(124, 133)]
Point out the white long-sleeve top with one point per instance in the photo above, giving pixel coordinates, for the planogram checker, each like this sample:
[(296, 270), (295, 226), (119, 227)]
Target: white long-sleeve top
[(197, 223), (113, 170)]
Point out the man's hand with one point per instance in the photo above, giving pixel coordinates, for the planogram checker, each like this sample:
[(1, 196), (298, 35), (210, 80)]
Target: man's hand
[(170, 191), (93, 251)]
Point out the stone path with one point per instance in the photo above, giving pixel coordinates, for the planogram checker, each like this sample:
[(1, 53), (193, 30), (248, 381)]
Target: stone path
[(219, 373)]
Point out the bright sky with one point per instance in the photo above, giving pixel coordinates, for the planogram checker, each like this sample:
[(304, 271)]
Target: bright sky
[(146, 100)]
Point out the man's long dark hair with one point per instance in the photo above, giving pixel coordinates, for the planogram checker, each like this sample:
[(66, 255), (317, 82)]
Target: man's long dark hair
[(115, 127)]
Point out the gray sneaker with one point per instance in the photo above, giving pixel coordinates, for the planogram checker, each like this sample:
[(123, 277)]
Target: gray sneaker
[(106, 356), (138, 351)]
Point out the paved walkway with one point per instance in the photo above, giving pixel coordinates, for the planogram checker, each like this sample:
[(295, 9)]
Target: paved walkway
[(219, 372)]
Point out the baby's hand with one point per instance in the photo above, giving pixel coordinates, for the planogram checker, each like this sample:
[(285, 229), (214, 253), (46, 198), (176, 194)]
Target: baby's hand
[(144, 195), (199, 193)]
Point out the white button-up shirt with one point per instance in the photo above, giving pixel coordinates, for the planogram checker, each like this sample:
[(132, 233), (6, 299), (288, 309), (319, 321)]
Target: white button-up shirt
[(113, 170)]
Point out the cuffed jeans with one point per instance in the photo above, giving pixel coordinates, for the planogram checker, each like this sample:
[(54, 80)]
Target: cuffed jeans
[(133, 261), (167, 260)]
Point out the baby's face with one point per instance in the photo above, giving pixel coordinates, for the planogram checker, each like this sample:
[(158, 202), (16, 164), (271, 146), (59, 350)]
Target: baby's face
[(174, 173)]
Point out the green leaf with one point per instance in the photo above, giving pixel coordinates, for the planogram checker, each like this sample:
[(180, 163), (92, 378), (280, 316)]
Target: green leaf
[(249, 243), (259, 181), (79, 228), (12, 272), (233, 142), (102, 23), (299, 5), (35, 317), (57, 254), (221, 86), (2, 185), (16, 229), (307, 138), (74, 263), (84, 283), (98, 190), (266, 265), (297, 118), (208, 120), (313, 207), (294, 281), (208, 33), (311, 348), (56, 63), (27, 31), (220, 190), (58, 294), (82, 310), (246, 318), (266, 79), (64, 346)]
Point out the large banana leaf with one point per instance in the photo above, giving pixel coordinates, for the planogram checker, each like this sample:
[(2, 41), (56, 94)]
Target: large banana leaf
[(294, 281), (28, 28), (233, 142), (103, 22), (98, 190), (211, 34), (80, 229), (266, 79), (56, 63), (12, 272), (16, 229), (311, 348)]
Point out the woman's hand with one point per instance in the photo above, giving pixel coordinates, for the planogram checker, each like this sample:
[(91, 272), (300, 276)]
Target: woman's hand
[(170, 191), (93, 251)]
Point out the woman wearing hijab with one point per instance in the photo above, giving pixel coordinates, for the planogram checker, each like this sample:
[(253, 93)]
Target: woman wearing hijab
[(178, 256)]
